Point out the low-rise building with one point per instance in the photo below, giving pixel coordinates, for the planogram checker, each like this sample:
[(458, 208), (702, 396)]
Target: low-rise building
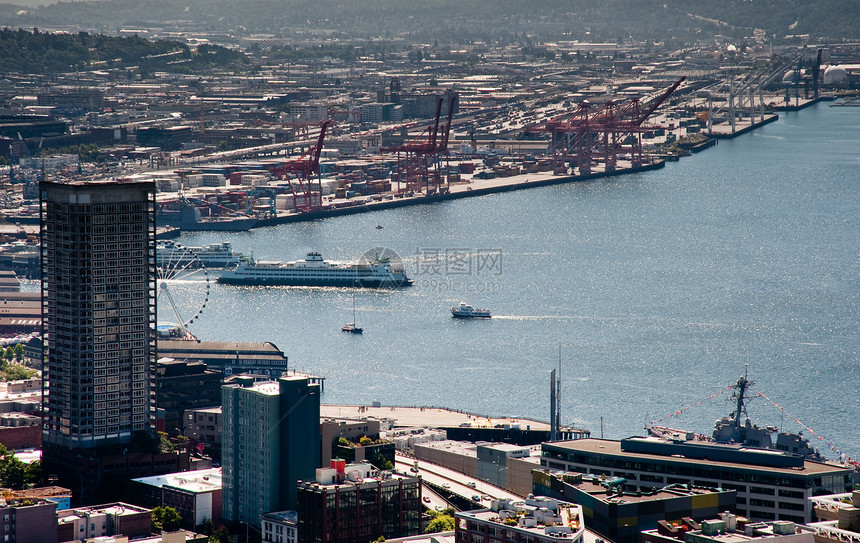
[(501, 464), (507, 466), (279, 526), (358, 503), (228, 356), (20, 425), (182, 385), (405, 439), (179, 536), (621, 515), (840, 518), (30, 520), (203, 425), (59, 495), (20, 312), (196, 495), (770, 485), (728, 528), (455, 455), (535, 519), (331, 430), (103, 521)]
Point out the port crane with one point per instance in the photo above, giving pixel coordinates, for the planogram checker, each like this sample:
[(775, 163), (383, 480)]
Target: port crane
[(304, 174), (593, 134), (419, 160)]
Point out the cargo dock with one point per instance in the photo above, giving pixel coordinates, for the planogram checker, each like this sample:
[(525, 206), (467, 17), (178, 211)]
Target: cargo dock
[(470, 188)]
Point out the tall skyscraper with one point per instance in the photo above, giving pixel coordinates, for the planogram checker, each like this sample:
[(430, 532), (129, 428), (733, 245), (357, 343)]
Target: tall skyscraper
[(271, 441), (98, 320)]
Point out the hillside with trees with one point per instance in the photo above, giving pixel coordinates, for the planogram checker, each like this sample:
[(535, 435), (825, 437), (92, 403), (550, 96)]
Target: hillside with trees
[(453, 21), (25, 51)]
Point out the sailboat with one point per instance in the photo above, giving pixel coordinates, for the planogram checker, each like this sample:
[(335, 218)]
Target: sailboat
[(351, 327)]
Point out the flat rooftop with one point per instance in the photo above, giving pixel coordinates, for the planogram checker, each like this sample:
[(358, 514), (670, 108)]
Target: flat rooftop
[(609, 447), (459, 447), (427, 417), (594, 488), (198, 481), (119, 508)]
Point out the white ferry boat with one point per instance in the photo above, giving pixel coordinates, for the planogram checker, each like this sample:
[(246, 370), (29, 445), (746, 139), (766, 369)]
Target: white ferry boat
[(466, 311), (314, 271), (217, 255)]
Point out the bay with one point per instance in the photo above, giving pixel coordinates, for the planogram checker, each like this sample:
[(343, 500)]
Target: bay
[(652, 291)]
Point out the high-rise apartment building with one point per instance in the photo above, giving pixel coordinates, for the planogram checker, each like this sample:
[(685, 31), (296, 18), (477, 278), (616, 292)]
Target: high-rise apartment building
[(98, 319), (271, 441)]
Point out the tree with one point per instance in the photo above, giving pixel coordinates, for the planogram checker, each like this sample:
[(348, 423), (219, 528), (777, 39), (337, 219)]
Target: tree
[(207, 527), (166, 519), (440, 523), (16, 474), (221, 535)]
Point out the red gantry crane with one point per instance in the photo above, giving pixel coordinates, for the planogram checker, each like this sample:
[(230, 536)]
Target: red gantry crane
[(590, 135), (419, 160), (304, 174)]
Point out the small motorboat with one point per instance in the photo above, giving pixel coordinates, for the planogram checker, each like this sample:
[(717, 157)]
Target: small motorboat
[(466, 311)]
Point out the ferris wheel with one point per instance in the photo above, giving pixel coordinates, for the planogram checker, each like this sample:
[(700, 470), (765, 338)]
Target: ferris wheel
[(182, 284)]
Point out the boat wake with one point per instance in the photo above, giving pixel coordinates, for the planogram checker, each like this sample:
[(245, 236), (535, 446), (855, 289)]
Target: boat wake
[(561, 318)]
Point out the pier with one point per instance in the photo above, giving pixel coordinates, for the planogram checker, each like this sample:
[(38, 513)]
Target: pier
[(474, 187)]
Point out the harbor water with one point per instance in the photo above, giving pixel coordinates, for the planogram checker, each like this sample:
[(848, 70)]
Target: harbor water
[(651, 291)]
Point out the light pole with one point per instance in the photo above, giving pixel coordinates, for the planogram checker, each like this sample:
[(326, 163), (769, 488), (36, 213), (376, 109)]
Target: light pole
[(247, 535), (499, 469)]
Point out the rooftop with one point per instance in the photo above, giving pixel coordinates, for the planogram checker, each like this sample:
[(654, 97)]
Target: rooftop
[(431, 417), (609, 447), (113, 509), (341, 475), (537, 515), (204, 480), (42, 492), (459, 447), (282, 516), (606, 489)]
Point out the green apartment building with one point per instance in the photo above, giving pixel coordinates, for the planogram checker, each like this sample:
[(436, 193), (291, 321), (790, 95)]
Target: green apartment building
[(271, 441)]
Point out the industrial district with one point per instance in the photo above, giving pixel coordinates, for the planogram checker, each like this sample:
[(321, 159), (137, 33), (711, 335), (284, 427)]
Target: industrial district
[(139, 435)]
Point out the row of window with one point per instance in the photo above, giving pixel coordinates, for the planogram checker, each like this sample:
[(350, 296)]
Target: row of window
[(690, 471)]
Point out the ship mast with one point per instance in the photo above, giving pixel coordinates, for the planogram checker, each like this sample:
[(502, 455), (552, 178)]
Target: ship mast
[(740, 395)]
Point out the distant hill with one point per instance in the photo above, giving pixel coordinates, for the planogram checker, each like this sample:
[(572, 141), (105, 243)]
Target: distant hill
[(36, 52), (452, 21)]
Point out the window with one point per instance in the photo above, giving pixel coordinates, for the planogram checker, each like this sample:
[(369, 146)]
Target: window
[(760, 490)]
